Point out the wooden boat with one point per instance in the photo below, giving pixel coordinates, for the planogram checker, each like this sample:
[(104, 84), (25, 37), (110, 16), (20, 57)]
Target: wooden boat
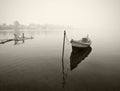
[(84, 42), (77, 55)]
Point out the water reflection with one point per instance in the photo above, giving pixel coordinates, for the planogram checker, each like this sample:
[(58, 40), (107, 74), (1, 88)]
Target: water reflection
[(63, 72), (77, 55), (17, 42)]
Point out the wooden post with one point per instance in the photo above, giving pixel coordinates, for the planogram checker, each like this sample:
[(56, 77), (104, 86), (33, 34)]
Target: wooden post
[(63, 59), (23, 35), (63, 45)]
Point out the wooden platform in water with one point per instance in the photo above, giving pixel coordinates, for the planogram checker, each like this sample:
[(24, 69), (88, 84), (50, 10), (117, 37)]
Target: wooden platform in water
[(2, 41)]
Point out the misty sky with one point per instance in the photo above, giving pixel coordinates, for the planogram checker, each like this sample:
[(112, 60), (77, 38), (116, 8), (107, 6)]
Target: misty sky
[(77, 13)]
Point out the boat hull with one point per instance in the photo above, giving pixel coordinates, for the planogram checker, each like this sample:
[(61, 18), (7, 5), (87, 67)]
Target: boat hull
[(80, 44)]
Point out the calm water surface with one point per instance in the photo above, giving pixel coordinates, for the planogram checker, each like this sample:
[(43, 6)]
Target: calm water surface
[(36, 65)]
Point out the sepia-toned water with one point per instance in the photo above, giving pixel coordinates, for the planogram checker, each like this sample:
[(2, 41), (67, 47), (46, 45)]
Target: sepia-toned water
[(36, 64)]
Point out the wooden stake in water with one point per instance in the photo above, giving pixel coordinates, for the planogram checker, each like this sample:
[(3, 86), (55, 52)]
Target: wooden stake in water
[(63, 45), (63, 59), (23, 35)]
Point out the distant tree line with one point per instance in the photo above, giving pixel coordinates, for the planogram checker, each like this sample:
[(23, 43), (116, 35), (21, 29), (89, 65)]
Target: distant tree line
[(17, 25)]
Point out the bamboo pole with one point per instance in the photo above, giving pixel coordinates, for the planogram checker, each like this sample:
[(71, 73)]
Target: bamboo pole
[(63, 59), (23, 37), (63, 45)]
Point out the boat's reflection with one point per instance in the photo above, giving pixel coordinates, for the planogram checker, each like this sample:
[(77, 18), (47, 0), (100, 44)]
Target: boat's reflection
[(77, 55)]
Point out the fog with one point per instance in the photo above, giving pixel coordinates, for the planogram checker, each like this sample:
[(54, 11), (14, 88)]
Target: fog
[(77, 13)]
